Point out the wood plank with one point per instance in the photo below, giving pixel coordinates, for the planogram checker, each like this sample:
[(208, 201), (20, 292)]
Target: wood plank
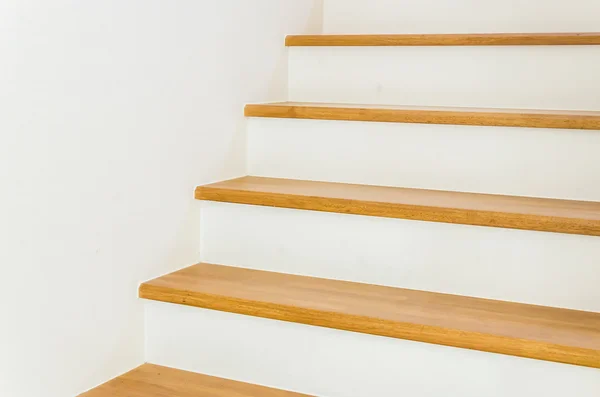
[(151, 380), (469, 39), (527, 213), (566, 119), (545, 333)]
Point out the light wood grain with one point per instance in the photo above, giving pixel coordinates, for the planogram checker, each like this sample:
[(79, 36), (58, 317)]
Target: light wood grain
[(550, 215), (565, 119), (545, 333), (470, 39), (155, 381)]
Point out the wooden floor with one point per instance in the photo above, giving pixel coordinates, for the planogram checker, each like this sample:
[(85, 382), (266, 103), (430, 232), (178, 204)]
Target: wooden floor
[(469, 39), (156, 381), (563, 216), (564, 119), (546, 333)]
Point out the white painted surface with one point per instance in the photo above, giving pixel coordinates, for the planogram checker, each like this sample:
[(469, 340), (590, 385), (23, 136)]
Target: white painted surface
[(111, 112), (332, 363), (542, 268), (460, 16), (514, 161), (545, 77)]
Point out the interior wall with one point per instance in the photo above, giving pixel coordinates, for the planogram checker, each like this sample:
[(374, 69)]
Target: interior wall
[(460, 16), (110, 113)]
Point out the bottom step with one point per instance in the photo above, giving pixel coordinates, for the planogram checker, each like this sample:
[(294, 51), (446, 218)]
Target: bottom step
[(151, 380), (328, 362), (545, 333)]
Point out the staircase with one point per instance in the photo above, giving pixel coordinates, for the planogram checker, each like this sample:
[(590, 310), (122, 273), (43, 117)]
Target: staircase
[(446, 244)]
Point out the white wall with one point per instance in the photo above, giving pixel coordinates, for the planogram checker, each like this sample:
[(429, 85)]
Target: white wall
[(460, 16), (110, 113)]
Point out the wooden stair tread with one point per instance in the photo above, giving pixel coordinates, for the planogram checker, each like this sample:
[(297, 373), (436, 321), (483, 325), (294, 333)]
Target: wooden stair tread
[(151, 380), (546, 333), (566, 119), (528, 213), (467, 39)]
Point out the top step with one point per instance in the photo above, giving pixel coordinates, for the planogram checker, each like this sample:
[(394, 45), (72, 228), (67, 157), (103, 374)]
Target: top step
[(565, 119), (471, 39)]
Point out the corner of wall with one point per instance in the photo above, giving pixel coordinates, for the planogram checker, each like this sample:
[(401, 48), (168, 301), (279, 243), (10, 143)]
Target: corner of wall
[(314, 25), (318, 17)]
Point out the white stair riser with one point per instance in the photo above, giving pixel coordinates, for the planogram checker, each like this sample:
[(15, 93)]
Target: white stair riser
[(499, 160), (544, 77), (333, 363), (460, 16), (541, 268)]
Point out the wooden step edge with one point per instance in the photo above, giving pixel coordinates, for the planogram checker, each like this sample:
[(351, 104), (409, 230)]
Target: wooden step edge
[(151, 380), (452, 116), (469, 39), (276, 305), (584, 221)]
